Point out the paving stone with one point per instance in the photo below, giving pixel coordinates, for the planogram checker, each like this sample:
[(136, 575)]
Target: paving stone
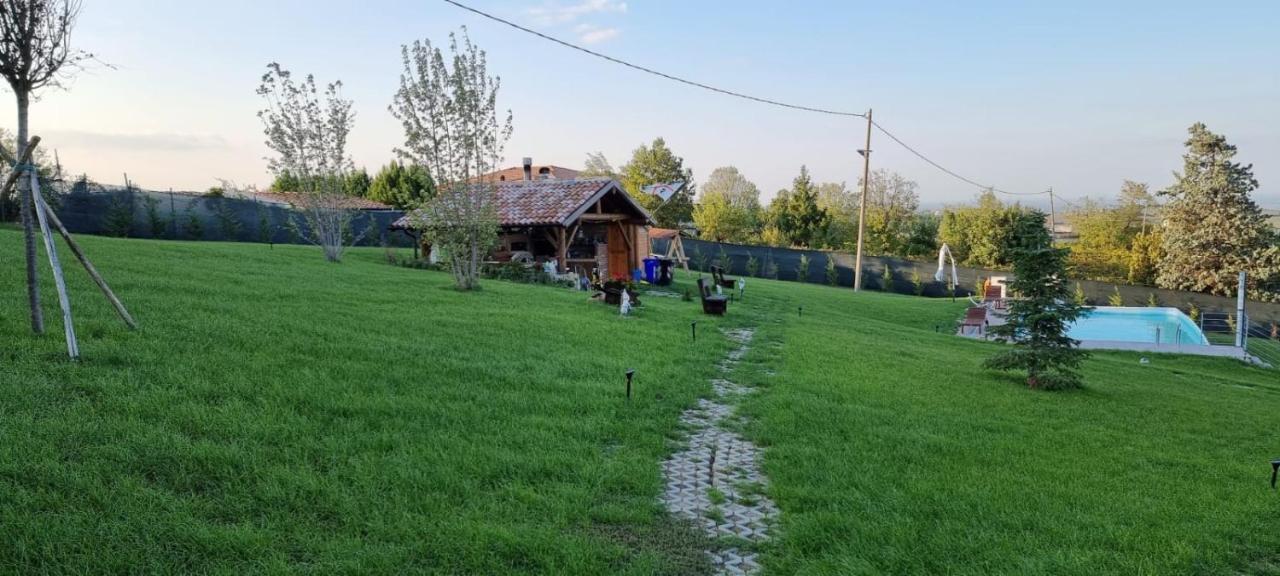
[(689, 474)]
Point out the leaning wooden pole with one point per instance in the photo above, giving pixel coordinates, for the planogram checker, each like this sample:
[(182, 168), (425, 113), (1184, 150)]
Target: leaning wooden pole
[(68, 326), (88, 266), (15, 173)]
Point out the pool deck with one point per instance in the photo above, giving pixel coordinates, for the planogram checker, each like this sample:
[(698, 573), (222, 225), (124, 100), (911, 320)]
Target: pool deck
[(996, 318)]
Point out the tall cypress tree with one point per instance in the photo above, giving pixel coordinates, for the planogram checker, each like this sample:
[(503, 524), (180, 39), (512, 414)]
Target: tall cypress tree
[(1213, 229)]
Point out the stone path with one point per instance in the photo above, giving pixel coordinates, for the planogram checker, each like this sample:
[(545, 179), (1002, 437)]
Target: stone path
[(716, 481)]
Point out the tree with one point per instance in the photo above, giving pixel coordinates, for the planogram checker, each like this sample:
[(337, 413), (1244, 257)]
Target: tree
[(403, 186), (1213, 229), (35, 52), (309, 137), (657, 164), (983, 234), (796, 213), (1038, 319), (285, 181), (892, 200), (729, 209), (922, 236), (841, 204), (451, 124), (357, 183), (597, 166)]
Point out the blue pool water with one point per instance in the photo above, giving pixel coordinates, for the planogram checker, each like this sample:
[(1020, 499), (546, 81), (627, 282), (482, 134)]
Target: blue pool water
[(1137, 325)]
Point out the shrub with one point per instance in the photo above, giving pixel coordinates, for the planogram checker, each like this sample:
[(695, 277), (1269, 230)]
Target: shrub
[(228, 224), (917, 282), (119, 217), (1193, 310), (833, 275), (264, 224), (886, 278), (1115, 299), (802, 269), (516, 272), (702, 261), (1078, 296), (753, 265), (154, 220), (1152, 300)]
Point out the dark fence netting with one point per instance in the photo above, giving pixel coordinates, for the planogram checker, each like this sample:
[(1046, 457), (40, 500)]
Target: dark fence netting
[(135, 213), (912, 277)]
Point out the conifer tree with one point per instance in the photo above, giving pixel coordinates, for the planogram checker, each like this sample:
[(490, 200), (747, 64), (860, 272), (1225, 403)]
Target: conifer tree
[(1037, 322), (1213, 229)]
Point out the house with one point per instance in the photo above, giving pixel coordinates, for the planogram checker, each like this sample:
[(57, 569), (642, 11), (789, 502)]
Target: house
[(581, 224), (529, 171)]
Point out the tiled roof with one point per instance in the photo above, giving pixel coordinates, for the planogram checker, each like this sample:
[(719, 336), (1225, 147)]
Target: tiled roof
[(541, 202), (517, 173), (350, 202)]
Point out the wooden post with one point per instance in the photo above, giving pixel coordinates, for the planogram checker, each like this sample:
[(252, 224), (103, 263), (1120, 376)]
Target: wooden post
[(68, 328), (562, 250), (15, 173), (88, 266)]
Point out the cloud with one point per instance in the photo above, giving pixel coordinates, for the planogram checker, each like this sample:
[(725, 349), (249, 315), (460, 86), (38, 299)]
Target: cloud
[(556, 14), (592, 34), (127, 141)]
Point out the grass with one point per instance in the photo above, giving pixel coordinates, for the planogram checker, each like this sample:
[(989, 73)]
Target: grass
[(277, 413), (890, 450)]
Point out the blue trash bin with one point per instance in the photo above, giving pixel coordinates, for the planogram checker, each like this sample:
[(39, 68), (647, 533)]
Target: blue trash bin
[(651, 270)]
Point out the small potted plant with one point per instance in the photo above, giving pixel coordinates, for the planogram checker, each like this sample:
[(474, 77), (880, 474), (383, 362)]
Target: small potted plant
[(614, 287)]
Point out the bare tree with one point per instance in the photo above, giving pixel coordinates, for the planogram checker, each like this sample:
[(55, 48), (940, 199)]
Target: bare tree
[(310, 138), (452, 127), (35, 52)]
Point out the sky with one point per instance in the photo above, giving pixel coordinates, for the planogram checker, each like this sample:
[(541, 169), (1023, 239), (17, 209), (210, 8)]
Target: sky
[(1077, 96)]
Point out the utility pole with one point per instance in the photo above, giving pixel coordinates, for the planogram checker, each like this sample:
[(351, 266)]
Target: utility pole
[(862, 206), (1053, 218)]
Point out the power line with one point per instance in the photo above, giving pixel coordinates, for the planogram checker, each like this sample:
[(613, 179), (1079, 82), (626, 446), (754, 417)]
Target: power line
[(732, 93), (921, 156), (655, 72)]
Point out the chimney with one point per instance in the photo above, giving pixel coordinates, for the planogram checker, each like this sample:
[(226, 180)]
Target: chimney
[(528, 168)]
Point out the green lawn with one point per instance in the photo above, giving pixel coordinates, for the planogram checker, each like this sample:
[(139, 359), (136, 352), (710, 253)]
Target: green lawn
[(277, 413)]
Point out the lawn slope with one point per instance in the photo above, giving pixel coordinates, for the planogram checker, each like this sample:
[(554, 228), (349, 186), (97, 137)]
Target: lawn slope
[(277, 413)]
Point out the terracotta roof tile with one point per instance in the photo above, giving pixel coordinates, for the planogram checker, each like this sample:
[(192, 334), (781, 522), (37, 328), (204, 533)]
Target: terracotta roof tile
[(538, 202)]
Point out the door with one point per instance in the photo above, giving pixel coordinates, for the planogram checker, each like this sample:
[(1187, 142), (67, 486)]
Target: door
[(619, 255)]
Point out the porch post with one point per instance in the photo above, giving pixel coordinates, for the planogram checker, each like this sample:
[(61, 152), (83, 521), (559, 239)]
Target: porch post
[(562, 250)]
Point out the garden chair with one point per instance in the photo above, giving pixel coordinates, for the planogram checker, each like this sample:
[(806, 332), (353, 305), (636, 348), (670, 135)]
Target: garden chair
[(717, 274), (976, 318), (995, 296), (711, 303)]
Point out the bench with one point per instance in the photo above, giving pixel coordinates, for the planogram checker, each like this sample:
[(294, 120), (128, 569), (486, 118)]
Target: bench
[(715, 304), (717, 274)]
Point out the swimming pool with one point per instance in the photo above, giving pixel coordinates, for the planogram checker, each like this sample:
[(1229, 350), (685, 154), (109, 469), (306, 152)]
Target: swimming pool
[(1125, 324)]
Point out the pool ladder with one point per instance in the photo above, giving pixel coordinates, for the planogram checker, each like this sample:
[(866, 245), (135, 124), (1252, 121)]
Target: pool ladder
[(1177, 336)]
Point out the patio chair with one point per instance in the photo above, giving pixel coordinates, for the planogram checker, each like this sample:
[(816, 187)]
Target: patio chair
[(714, 304), (995, 296), (717, 273), (976, 318)]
